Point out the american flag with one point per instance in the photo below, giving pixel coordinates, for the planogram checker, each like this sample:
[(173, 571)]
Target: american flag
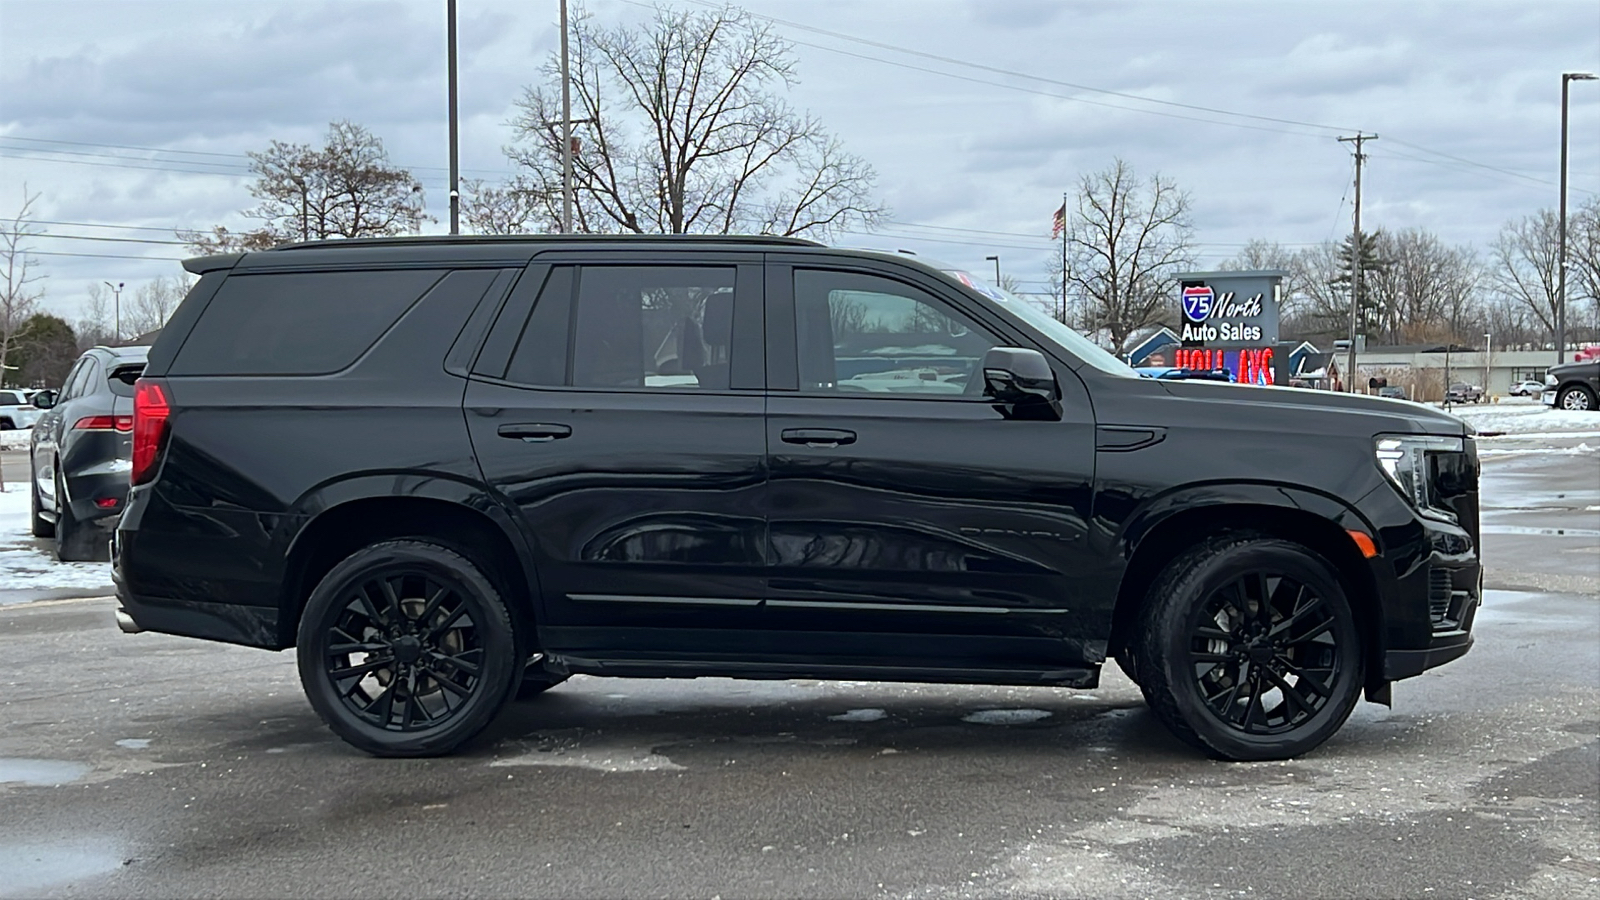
[(1059, 221)]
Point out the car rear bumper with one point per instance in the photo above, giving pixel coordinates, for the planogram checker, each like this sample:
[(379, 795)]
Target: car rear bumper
[(253, 626)]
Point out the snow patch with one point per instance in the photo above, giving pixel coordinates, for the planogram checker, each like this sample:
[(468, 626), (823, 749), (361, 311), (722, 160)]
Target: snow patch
[(15, 438), (25, 567), (1006, 716), (1530, 419), (1580, 450), (859, 715), (599, 757)]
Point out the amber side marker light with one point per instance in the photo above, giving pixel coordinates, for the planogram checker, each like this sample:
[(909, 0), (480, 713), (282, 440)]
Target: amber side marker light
[(1363, 541)]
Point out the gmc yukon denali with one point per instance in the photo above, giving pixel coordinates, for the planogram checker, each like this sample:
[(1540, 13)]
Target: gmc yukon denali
[(453, 471)]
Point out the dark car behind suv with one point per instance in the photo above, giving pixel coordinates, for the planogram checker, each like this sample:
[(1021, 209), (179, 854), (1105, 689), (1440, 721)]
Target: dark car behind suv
[(450, 471), (81, 451)]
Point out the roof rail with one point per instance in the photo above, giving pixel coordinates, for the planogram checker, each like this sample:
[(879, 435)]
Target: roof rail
[(403, 240)]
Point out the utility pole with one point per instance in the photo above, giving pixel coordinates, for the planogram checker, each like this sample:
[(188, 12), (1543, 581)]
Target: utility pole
[(566, 129), (1355, 262), (455, 154)]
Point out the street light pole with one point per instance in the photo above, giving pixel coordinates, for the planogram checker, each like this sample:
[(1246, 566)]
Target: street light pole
[(116, 301), (1561, 240), (1487, 348), (566, 129), (455, 142), (996, 260)]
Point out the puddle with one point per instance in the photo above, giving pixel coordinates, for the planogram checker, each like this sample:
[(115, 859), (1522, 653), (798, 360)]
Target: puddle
[(29, 868), (1554, 532), (40, 772), (1006, 716), (134, 743), (859, 715)]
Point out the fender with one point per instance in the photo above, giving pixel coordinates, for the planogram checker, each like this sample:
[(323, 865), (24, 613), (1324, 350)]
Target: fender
[(1154, 510), (448, 487)]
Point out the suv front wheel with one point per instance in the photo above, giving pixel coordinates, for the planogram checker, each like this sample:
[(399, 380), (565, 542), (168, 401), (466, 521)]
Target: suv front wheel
[(1249, 649), (406, 648)]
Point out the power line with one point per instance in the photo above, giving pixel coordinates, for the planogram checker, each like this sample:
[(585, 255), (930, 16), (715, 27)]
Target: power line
[(84, 237)]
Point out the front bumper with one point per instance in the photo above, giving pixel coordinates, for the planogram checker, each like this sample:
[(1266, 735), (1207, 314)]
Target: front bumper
[(1548, 398), (1432, 587)]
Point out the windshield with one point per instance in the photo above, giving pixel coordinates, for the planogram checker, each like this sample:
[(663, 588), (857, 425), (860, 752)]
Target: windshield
[(1069, 340)]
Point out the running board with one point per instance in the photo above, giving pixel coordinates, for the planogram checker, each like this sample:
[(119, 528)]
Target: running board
[(755, 669)]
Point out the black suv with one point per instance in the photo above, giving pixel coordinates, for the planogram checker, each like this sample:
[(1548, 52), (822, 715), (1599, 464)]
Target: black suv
[(451, 471), (80, 452)]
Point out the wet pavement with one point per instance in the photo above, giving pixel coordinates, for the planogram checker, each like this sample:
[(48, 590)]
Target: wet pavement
[(146, 765)]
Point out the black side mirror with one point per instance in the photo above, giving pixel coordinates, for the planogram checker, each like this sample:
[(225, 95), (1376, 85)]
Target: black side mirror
[(44, 399), (1021, 383)]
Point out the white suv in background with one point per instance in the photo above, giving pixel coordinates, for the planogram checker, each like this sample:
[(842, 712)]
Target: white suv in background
[(16, 411)]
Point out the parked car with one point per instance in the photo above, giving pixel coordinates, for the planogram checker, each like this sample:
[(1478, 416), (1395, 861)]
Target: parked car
[(1527, 389), (1392, 393), (81, 451), (448, 471), (16, 411), (1574, 386), (1464, 393)]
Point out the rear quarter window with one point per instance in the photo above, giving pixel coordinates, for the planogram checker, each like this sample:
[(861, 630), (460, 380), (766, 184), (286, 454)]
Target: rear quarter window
[(297, 323)]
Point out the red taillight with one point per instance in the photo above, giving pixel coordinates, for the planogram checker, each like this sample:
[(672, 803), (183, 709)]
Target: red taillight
[(104, 423), (150, 412)]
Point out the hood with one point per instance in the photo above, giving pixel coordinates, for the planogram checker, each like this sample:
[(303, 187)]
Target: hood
[(1375, 414)]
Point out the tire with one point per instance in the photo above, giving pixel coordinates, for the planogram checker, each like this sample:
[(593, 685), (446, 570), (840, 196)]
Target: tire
[(384, 681), (1206, 608), (76, 541), (1576, 398), (535, 683), (40, 527)]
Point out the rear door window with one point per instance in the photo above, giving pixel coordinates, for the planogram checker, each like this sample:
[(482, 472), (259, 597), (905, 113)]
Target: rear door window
[(625, 327), (298, 323)]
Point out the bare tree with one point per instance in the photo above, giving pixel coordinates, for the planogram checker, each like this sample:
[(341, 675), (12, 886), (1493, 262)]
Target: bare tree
[(346, 188), (1583, 270), (20, 288), (153, 303), (1130, 238), (516, 207), (680, 128), (1422, 287), (95, 324), (1524, 265)]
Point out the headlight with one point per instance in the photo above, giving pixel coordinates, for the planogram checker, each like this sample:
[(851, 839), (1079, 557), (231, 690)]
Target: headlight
[(1550, 381), (1404, 459)]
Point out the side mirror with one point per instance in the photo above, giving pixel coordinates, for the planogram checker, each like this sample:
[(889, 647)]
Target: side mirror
[(44, 399), (1021, 383)]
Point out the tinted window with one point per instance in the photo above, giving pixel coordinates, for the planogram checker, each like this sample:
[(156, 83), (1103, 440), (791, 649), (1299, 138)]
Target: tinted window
[(862, 333), (73, 378), (297, 323), (122, 376), (629, 327), (10, 398)]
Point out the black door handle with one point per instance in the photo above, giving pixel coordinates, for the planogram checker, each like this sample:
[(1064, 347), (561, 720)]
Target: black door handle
[(818, 437), (536, 433)]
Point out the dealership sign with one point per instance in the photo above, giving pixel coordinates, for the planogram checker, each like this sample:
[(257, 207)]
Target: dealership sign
[(1230, 309)]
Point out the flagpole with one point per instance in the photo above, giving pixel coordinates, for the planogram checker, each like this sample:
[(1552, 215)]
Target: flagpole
[(1063, 257)]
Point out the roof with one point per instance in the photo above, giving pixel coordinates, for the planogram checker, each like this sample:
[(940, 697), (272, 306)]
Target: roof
[(133, 353)]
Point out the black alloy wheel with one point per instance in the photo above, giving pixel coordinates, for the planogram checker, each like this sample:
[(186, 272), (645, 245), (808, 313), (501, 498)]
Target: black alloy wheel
[(406, 649), (1251, 650)]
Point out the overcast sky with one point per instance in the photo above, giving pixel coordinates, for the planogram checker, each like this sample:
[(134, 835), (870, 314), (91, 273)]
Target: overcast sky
[(972, 161)]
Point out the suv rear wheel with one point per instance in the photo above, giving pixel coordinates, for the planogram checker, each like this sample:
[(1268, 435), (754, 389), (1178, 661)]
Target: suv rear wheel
[(406, 648), (1249, 649)]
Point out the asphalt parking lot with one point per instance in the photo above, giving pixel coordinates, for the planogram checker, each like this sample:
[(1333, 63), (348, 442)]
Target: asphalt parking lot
[(145, 765)]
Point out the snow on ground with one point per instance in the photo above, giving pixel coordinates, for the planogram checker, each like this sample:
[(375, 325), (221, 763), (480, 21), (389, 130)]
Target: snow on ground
[(25, 566), (1515, 420), (15, 438)]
